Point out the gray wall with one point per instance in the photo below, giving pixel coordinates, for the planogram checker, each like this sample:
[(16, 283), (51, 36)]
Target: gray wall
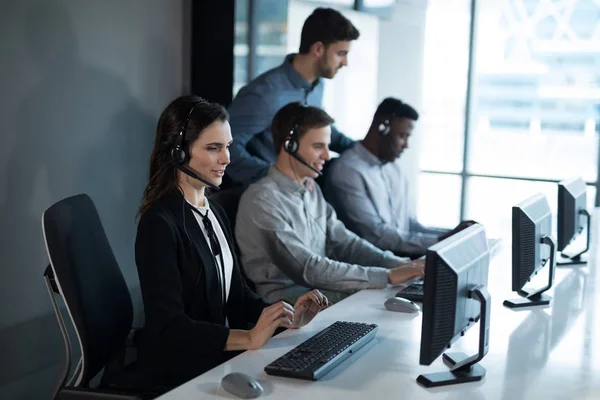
[(82, 83)]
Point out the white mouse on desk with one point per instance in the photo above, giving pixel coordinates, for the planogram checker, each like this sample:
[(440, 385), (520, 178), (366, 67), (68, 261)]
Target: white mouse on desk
[(241, 385), (400, 304)]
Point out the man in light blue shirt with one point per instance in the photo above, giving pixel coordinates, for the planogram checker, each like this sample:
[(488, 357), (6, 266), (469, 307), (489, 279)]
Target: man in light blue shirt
[(324, 47), (290, 238), (369, 190)]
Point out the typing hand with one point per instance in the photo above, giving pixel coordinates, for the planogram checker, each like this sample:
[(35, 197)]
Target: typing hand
[(406, 271), (307, 307), (278, 314)]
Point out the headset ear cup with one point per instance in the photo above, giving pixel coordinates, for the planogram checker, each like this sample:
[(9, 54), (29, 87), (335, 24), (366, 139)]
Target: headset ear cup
[(179, 155), (384, 128), (291, 146)]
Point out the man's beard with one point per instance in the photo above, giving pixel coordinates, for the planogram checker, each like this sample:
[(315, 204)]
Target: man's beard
[(326, 71), (388, 152)]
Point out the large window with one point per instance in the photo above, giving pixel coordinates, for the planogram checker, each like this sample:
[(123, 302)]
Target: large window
[(445, 76), (260, 38), (533, 112)]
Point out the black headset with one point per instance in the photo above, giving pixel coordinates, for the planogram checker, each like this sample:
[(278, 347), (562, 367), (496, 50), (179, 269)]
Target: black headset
[(180, 155), (291, 143), (291, 146)]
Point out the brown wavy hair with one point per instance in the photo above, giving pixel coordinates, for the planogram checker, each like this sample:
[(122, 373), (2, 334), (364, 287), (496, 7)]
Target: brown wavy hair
[(162, 174)]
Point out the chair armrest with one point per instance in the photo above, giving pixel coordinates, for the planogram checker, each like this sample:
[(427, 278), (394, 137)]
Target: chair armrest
[(91, 394)]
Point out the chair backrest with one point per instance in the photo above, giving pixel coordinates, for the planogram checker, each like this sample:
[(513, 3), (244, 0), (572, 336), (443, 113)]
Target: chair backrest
[(89, 280)]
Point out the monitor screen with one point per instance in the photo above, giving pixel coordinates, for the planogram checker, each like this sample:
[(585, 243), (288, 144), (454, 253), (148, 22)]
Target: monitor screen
[(532, 248), (531, 221), (571, 203)]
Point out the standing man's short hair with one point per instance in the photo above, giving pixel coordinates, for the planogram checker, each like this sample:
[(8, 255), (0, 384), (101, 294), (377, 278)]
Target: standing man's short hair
[(326, 25), (299, 117)]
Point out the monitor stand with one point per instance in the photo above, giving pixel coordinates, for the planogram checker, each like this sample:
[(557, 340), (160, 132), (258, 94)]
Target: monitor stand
[(529, 301), (572, 260), (463, 368), (581, 257), (537, 298)]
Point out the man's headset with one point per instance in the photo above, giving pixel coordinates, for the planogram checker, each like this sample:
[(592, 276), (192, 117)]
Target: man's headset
[(180, 154), (291, 146), (384, 127)]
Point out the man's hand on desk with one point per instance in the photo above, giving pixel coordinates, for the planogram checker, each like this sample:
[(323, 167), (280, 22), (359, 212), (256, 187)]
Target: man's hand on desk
[(406, 271), (307, 307)]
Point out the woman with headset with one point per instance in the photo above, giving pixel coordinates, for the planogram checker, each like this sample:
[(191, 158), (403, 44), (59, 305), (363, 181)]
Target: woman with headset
[(198, 308)]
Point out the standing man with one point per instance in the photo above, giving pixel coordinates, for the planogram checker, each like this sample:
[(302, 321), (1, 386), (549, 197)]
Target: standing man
[(324, 46)]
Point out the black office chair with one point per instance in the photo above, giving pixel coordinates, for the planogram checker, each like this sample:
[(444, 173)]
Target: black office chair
[(84, 272), (229, 199)]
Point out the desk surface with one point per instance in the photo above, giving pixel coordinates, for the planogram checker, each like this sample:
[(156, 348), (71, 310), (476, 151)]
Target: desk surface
[(538, 353)]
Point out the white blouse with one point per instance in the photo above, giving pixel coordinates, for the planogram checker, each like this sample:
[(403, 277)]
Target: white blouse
[(226, 251)]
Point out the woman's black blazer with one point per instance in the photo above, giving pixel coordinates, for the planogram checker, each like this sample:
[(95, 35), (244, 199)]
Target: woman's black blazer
[(185, 333)]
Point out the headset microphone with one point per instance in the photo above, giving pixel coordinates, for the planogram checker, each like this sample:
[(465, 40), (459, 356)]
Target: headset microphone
[(194, 175), (305, 163)]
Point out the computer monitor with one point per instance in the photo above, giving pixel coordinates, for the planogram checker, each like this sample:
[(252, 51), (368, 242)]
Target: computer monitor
[(532, 249), (572, 218), (455, 298)]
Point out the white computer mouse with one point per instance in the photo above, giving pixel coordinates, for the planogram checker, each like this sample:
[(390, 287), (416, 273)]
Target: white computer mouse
[(400, 304), (241, 385)]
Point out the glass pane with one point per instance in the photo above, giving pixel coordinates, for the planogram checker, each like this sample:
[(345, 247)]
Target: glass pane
[(382, 8), (490, 200), (240, 71), (445, 65), (590, 197), (438, 201), (265, 63), (272, 34), (240, 49), (272, 23), (331, 3), (536, 89)]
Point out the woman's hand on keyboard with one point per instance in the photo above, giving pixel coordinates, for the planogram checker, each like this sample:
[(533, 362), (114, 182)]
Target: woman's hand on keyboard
[(272, 317), (307, 307)]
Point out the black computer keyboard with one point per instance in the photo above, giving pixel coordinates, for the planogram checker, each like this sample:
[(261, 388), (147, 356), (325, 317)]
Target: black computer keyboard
[(318, 355), (413, 292)]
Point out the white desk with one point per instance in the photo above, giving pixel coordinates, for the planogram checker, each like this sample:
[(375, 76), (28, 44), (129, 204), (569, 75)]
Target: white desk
[(539, 353)]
